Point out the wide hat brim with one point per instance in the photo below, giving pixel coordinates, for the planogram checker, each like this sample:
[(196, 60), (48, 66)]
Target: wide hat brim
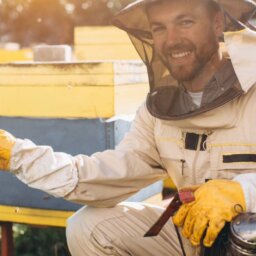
[(133, 18)]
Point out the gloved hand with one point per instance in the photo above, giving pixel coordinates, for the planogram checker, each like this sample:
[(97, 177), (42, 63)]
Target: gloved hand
[(214, 204), (7, 142)]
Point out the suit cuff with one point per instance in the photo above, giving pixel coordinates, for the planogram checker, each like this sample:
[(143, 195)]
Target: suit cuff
[(248, 183)]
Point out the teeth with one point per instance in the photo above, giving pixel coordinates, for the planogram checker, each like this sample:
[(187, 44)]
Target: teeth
[(180, 54)]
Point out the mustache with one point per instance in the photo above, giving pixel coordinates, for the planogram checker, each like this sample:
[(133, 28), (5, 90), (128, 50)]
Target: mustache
[(178, 47)]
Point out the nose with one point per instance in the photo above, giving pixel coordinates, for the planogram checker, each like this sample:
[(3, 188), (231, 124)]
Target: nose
[(172, 36)]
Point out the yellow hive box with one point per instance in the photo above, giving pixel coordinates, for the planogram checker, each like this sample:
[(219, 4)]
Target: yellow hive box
[(103, 43), (34, 216), (72, 90), (15, 55)]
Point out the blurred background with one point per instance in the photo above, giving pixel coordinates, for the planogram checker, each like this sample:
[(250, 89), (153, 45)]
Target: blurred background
[(30, 22)]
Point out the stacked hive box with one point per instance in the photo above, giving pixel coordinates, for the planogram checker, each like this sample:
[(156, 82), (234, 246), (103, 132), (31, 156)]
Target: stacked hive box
[(63, 105), (15, 55), (103, 43), (72, 90)]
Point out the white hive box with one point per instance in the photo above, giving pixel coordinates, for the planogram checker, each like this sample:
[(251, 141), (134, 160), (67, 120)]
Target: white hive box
[(52, 53)]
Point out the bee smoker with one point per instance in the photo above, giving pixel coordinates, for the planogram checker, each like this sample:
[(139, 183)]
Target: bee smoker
[(237, 238)]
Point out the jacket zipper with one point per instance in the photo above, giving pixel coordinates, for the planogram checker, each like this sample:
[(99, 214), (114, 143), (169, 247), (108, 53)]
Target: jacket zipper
[(182, 166), (195, 159)]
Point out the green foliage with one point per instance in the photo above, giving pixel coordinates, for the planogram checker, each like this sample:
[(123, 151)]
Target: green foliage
[(31, 241)]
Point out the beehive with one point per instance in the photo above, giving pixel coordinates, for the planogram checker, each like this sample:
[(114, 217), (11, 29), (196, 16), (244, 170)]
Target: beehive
[(15, 55), (103, 43), (72, 90)]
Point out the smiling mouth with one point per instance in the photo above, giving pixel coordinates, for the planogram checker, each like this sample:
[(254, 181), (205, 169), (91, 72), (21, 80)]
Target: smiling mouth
[(178, 55)]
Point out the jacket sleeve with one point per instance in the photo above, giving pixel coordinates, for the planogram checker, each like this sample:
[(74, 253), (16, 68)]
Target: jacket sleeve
[(103, 179), (248, 183)]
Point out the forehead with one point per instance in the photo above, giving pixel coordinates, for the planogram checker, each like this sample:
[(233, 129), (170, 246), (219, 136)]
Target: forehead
[(171, 8)]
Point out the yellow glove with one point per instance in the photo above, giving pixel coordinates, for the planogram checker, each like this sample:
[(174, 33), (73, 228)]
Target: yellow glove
[(7, 142), (214, 205)]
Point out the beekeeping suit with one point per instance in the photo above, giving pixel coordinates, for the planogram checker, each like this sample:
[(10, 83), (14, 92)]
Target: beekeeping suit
[(171, 136)]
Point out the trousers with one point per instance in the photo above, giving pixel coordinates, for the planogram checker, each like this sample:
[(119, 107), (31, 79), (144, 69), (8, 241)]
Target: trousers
[(119, 231)]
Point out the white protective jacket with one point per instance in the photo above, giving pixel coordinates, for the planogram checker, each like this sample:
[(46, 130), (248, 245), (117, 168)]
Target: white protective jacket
[(224, 141)]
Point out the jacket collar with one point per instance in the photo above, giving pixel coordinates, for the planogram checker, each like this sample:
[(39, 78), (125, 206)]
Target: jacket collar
[(241, 47)]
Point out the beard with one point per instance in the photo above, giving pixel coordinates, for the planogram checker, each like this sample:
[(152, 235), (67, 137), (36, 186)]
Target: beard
[(190, 70)]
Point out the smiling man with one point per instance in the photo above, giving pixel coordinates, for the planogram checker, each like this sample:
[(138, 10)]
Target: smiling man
[(197, 124), (185, 35)]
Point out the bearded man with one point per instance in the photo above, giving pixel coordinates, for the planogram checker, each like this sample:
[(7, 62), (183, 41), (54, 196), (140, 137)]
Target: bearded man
[(196, 125)]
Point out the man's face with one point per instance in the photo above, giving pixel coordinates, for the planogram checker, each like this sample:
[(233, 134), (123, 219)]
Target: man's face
[(185, 36)]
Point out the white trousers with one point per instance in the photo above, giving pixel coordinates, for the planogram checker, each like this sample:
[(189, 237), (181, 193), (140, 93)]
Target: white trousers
[(119, 231)]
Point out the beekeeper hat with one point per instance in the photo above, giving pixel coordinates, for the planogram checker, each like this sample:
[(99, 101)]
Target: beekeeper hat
[(166, 92)]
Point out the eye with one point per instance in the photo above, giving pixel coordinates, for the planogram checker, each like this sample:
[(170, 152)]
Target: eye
[(157, 28), (186, 23)]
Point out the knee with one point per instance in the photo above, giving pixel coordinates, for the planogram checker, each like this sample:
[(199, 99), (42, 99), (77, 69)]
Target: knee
[(84, 221), (81, 223), (81, 228)]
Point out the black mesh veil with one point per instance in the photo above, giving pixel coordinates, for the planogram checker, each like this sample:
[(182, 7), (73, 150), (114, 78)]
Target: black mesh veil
[(165, 92)]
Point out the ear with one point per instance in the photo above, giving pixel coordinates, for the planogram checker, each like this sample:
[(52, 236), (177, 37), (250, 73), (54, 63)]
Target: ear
[(219, 23)]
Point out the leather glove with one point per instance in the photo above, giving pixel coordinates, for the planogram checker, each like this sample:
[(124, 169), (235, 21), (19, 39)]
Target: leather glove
[(7, 142), (215, 203)]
